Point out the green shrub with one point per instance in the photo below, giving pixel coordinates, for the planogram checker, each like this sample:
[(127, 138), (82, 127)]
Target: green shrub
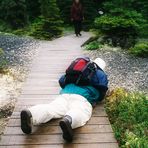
[(49, 23), (93, 45), (140, 49), (4, 27), (3, 62), (121, 27), (128, 113), (46, 28), (131, 7), (14, 13)]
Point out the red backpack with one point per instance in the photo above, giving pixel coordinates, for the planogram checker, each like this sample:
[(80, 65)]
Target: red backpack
[(80, 71)]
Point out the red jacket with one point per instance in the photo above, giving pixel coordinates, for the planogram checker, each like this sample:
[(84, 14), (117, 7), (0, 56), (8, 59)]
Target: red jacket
[(77, 12)]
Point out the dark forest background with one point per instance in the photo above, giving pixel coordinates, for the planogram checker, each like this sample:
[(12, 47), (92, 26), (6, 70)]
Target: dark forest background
[(118, 22)]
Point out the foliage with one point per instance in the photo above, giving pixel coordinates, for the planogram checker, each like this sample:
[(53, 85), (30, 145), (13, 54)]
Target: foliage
[(4, 27), (90, 13), (128, 116), (65, 7), (49, 24), (3, 62), (144, 30), (43, 15), (67, 29), (33, 9), (139, 6), (140, 49), (93, 45), (124, 21), (13, 12), (122, 27)]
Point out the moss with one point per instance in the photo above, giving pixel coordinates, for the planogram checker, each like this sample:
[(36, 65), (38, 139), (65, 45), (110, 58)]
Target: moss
[(127, 112), (140, 49)]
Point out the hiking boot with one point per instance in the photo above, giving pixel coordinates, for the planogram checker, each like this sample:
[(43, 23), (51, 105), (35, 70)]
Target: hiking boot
[(80, 34), (65, 125), (77, 35), (26, 121)]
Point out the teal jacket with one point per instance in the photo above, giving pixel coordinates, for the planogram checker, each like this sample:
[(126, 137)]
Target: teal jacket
[(88, 92), (94, 92)]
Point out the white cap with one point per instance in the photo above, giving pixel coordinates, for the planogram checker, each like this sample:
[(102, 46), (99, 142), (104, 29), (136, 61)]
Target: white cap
[(100, 62)]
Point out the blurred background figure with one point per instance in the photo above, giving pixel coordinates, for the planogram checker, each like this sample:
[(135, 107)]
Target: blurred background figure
[(77, 16)]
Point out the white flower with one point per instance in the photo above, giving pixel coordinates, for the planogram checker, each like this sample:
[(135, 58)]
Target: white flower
[(100, 12)]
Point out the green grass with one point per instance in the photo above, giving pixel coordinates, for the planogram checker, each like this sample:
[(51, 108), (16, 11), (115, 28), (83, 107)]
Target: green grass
[(128, 114), (67, 29), (28, 30), (140, 49), (93, 45)]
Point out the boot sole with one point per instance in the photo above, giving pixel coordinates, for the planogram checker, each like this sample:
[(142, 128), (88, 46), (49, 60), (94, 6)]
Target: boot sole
[(67, 131), (26, 124)]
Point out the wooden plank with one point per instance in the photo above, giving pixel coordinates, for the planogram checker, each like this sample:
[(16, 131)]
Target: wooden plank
[(48, 68), (52, 129), (66, 145), (45, 80), (50, 73), (36, 97), (33, 87), (51, 91), (93, 121), (16, 114), (57, 139)]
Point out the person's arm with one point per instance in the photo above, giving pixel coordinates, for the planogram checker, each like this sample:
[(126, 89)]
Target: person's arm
[(100, 82), (62, 81)]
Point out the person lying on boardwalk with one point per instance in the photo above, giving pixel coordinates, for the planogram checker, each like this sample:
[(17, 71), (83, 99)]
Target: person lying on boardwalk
[(84, 85)]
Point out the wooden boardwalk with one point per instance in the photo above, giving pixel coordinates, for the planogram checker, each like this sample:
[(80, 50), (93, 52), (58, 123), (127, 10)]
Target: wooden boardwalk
[(42, 87)]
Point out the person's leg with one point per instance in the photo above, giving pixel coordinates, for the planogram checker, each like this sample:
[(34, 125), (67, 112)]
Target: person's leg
[(76, 25), (43, 113), (79, 27), (80, 111)]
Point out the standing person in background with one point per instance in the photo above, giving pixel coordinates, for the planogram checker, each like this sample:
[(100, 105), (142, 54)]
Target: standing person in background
[(77, 16)]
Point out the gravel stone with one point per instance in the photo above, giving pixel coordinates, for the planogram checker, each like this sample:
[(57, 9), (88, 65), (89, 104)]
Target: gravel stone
[(124, 70), (19, 52)]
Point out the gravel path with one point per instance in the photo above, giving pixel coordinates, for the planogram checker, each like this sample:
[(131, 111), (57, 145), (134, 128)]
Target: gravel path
[(19, 52), (123, 69)]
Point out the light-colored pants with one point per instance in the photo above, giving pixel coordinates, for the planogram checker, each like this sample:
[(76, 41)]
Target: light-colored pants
[(75, 106)]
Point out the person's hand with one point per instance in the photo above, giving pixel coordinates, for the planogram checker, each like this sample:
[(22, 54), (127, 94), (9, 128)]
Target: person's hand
[(72, 19)]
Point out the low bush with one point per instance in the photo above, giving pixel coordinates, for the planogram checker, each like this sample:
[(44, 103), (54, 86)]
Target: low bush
[(140, 49), (93, 45), (46, 28), (3, 62), (121, 26), (128, 114)]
